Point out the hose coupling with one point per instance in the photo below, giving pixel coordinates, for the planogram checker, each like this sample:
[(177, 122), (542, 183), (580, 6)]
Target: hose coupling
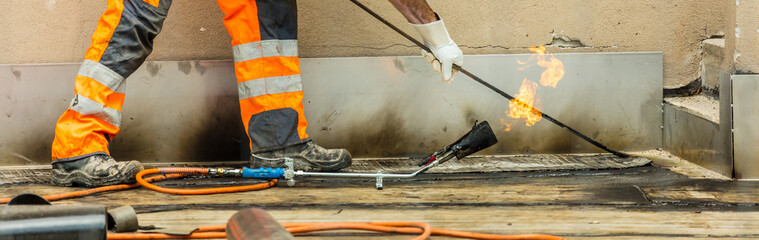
[(222, 172)]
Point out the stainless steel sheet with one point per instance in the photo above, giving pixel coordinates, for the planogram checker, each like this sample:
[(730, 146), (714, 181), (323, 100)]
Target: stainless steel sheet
[(696, 139), (373, 106), (396, 106), (745, 128)]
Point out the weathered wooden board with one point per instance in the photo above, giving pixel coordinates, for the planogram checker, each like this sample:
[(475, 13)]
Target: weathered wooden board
[(635, 203), (598, 222), (707, 192)]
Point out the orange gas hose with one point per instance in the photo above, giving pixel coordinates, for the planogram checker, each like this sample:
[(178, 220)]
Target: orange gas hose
[(391, 227), (474, 235), (91, 191), (384, 227), (150, 186), (217, 231), (195, 235), (146, 182)]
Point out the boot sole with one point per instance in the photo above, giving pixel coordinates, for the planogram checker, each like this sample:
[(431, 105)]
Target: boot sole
[(80, 178)]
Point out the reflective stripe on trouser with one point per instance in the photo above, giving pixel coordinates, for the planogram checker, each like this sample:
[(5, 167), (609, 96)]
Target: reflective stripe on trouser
[(122, 40), (264, 34)]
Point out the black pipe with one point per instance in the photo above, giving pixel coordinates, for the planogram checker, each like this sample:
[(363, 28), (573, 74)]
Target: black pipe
[(52, 222), (486, 84)]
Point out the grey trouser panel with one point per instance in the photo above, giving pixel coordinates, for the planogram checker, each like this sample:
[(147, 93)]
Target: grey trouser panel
[(274, 129)]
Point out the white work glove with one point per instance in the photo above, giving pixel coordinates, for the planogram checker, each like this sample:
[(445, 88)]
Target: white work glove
[(445, 51)]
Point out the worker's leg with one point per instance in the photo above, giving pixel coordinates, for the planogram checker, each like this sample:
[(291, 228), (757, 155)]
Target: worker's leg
[(121, 42), (264, 41)]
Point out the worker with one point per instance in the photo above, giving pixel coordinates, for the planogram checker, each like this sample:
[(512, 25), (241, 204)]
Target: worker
[(265, 51)]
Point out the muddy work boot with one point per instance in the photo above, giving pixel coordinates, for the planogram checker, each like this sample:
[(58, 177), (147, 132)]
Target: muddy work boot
[(95, 171), (306, 156)]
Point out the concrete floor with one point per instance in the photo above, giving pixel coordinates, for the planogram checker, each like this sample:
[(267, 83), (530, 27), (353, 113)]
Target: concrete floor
[(671, 199)]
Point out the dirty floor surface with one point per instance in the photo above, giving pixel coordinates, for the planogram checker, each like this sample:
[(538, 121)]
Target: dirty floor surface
[(662, 201)]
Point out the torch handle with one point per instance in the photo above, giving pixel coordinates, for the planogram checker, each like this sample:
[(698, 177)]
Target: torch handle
[(488, 85)]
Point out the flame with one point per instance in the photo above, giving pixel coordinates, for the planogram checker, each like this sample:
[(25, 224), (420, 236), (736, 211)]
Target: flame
[(554, 71), (554, 68), (506, 123), (538, 50), (522, 109)]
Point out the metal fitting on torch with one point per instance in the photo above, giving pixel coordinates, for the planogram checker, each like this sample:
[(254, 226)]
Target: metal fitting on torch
[(221, 172)]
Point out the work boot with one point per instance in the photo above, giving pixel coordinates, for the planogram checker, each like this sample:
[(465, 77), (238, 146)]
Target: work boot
[(95, 171), (306, 156)]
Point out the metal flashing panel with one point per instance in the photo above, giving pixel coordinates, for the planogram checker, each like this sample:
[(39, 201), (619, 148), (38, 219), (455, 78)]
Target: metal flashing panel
[(373, 106), (395, 106), (696, 139), (745, 129)]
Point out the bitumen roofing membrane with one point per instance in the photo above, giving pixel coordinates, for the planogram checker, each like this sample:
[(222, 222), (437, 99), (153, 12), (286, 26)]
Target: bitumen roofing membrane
[(578, 196), (473, 164)]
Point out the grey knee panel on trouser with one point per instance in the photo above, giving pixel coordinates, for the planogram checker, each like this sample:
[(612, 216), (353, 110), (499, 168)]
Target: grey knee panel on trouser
[(274, 129), (277, 19), (132, 40)]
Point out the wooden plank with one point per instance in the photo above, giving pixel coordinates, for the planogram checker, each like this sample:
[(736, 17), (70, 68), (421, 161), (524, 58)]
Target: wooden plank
[(676, 164), (574, 222), (708, 191)]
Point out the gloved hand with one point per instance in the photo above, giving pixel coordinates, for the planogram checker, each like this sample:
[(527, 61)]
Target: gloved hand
[(445, 52)]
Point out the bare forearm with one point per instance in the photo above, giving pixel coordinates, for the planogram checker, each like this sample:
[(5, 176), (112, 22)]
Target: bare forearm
[(415, 11)]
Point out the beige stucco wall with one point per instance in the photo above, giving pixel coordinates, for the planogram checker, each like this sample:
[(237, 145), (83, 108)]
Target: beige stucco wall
[(49, 31)]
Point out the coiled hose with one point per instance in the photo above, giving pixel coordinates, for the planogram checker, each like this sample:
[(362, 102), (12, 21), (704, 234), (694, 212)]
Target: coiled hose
[(91, 191), (168, 173), (209, 232), (196, 171), (423, 229)]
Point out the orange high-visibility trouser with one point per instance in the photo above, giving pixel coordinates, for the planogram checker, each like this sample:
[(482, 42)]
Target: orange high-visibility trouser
[(264, 40)]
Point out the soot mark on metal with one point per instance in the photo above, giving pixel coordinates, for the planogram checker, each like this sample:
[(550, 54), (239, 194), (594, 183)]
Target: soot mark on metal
[(184, 67), (153, 68), (532, 140), (222, 135), (33, 150), (553, 139), (219, 138), (399, 65), (16, 73), (385, 135), (201, 69)]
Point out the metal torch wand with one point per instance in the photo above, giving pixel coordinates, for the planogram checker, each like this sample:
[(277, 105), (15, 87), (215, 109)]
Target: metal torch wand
[(488, 85)]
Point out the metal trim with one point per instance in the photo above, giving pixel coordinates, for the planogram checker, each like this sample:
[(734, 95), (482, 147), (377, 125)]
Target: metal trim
[(745, 131), (696, 139)]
